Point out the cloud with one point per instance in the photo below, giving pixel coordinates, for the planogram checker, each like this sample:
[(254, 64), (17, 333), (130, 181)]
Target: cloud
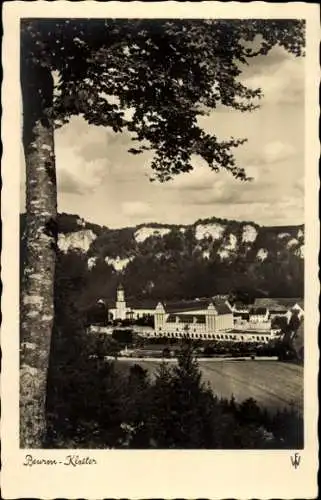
[(280, 75), (86, 154), (68, 184), (135, 208), (234, 193), (94, 161), (76, 175), (271, 153), (285, 210), (204, 188), (201, 177), (261, 64), (277, 151)]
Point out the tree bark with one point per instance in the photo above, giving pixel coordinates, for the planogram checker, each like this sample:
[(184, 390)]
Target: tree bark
[(37, 294)]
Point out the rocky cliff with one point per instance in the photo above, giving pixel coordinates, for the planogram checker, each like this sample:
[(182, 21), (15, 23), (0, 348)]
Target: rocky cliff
[(172, 261)]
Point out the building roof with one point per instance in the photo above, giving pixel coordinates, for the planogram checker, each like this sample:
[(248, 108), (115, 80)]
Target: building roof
[(197, 305), (186, 318), (186, 305), (221, 306), (240, 306), (278, 304), (300, 303)]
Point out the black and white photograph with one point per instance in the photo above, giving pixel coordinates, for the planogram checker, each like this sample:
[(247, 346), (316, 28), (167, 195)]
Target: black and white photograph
[(162, 235)]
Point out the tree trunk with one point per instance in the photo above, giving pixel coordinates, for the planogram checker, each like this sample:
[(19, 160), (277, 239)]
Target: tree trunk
[(37, 294)]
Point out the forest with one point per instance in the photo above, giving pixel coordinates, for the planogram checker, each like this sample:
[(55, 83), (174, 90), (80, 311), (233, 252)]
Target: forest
[(94, 403), (172, 266)]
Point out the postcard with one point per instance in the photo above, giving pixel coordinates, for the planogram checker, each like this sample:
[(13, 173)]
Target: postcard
[(160, 250)]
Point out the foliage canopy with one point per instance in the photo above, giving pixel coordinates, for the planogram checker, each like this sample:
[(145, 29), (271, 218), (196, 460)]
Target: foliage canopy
[(155, 78)]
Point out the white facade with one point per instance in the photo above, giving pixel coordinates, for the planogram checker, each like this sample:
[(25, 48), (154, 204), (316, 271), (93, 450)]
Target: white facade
[(258, 317), (196, 323), (255, 326), (281, 307), (123, 311), (120, 312)]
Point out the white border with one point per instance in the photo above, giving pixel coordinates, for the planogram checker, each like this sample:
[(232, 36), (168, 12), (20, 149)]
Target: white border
[(154, 474)]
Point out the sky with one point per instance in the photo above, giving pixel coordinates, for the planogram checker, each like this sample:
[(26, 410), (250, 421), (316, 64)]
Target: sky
[(103, 183)]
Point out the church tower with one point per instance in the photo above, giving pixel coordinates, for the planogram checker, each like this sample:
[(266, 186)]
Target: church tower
[(210, 319), (120, 303), (159, 318)]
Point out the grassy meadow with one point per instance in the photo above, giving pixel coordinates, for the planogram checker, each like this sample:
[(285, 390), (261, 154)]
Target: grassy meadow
[(273, 384)]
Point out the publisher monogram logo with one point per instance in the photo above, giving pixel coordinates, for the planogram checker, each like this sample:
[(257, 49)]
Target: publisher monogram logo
[(295, 460)]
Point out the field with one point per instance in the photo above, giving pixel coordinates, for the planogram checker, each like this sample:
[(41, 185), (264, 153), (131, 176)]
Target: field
[(273, 384)]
